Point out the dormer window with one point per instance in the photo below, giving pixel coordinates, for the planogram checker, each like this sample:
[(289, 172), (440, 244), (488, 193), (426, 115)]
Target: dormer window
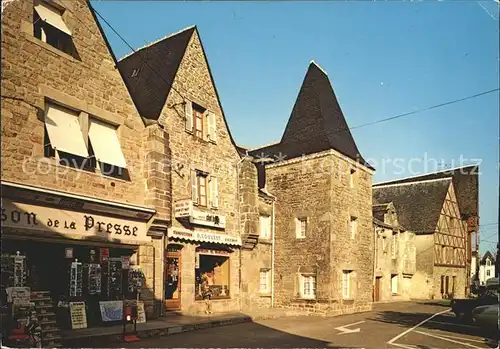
[(49, 27)]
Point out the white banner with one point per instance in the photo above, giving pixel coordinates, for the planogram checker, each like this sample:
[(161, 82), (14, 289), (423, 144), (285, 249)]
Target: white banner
[(195, 235)]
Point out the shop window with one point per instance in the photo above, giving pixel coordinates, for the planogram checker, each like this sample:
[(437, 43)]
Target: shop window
[(307, 286), (346, 284), (215, 268), (353, 226), (265, 281), (301, 227), (49, 27), (265, 227)]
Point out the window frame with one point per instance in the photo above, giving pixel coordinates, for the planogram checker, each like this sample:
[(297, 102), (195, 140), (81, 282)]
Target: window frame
[(301, 221), (198, 119), (265, 273), (200, 174), (310, 281), (265, 220), (346, 281)]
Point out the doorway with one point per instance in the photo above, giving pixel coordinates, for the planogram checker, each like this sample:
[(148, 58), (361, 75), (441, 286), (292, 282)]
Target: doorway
[(376, 295), (173, 277)]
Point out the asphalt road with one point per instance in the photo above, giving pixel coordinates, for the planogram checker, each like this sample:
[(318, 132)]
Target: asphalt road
[(391, 325)]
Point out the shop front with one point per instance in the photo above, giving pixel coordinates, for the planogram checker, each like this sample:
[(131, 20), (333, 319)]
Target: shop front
[(73, 259), (202, 252)]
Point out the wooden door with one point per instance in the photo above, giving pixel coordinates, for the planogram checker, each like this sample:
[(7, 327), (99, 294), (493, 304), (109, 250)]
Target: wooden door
[(377, 289), (173, 280)]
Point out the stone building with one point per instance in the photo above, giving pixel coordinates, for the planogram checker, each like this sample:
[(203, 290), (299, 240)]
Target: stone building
[(214, 194), (75, 157), (395, 256), (430, 209), (323, 259), (466, 186)]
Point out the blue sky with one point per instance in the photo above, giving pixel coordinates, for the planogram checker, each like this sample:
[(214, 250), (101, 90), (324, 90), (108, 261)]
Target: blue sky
[(382, 58)]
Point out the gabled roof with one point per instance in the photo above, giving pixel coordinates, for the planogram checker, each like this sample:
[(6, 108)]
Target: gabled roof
[(418, 204), (465, 183), (316, 123), (489, 255), (149, 84)]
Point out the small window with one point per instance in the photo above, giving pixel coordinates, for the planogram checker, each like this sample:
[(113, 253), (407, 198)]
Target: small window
[(265, 281), (352, 179), (353, 225), (265, 227), (301, 227), (201, 188), (488, 272), (394, 246), (488, 262), (394, 284), (384, 244), (49, 26), (308, 286), (346, 284)]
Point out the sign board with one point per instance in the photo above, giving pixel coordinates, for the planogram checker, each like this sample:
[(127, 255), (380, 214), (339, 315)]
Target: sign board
[(20, 294), (141, 313), (72, 224), (195, 235), (68, 252), (111, 310), (207, 219), (183, 208), (78, 315), (125, 262)]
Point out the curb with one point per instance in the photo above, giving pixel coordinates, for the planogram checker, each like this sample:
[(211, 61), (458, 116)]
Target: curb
[(98, 340)]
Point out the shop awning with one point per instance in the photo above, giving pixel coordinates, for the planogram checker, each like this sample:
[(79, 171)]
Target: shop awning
[(106, 144), (52, 16), (201, 236), (64, 131)]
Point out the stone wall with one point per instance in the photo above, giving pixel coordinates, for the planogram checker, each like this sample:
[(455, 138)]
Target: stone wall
[(317, 187), (220, 159), (460, 281), (423, 280)]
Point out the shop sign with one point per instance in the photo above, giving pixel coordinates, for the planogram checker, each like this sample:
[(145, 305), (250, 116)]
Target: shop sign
[(182, 208), (207, 219), (125, 262), (185, 209), (213, 252), (78, 315), (111, 310), (141, 313), (195, 235), (65, 222), (68, 252)]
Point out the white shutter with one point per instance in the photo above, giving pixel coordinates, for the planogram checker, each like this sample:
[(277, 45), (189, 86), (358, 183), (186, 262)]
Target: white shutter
[(188, 109), (212, 130), (214, 192), (297, 228), (194, 187)]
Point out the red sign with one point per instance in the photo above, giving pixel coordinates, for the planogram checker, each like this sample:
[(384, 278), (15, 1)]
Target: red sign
[(104, 254)]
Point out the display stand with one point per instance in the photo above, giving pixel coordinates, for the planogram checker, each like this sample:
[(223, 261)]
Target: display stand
[(76, 279), (46, 318)]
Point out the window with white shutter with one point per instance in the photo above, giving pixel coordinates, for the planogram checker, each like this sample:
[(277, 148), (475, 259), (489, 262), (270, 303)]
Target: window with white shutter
[(346, 284), (212, 129), (214, 192), (188, 109), (300, 227), (194, 187)]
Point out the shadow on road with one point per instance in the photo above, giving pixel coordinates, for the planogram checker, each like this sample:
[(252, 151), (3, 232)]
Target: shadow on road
[(245, 335), (441, 322)]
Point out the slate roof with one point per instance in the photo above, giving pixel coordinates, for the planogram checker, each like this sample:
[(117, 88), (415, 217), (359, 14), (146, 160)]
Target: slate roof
[(486, 255), (150, 85), (465, 183), (316, 123), (418, 204)]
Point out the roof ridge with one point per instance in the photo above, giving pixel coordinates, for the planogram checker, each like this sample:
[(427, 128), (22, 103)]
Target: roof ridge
[(426, 174), (157, 41), (408, 183), (265, 145), (317, 65)]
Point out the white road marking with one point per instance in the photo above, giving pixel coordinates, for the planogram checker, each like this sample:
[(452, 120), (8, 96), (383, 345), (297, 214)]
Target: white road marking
[(447, 339), (345, 330), (416, 326), (462, 338)]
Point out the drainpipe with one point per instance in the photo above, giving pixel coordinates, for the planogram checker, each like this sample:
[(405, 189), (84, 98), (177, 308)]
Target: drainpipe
[(273, 231)]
